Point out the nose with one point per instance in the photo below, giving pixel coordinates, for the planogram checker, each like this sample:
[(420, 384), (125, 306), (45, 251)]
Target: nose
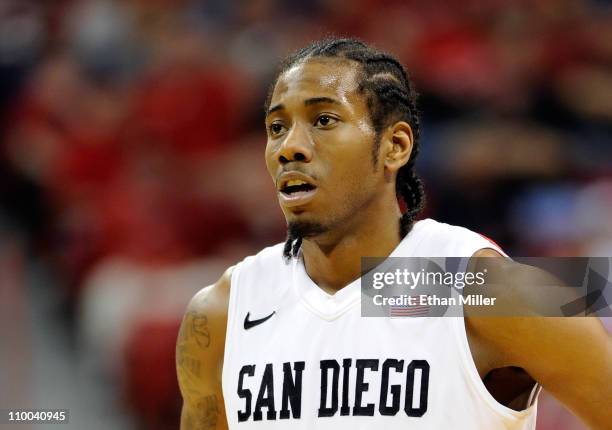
[(297, 146)]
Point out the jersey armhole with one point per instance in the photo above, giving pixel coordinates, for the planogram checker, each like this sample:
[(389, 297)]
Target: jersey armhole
[(469, 366), (467, 359)]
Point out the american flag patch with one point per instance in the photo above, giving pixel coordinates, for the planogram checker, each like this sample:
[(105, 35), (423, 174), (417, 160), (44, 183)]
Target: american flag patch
[(407, 310)]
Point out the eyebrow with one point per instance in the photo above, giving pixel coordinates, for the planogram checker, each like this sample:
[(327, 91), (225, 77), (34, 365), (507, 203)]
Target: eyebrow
[(317, 100), (307, 102)]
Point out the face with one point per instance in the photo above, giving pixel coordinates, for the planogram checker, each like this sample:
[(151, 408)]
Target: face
[(319, 148)]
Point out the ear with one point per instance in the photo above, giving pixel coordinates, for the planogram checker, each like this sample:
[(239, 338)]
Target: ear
[(397, 144)]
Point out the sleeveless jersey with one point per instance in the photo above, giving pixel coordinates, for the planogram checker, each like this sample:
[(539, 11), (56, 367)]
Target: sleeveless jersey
[(315, 363)]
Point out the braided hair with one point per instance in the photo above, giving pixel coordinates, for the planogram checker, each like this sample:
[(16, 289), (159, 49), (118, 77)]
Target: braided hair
[(390, 97)]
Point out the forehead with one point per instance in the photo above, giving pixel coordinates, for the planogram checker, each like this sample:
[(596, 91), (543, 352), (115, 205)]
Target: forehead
[(316, 77)]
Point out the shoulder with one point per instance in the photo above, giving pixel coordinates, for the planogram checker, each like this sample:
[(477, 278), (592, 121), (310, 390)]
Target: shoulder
[(523, 329), (271, 256), (204, 325), (202, 330), (212, 301), (267, 267), (436, 238), (444, 230)]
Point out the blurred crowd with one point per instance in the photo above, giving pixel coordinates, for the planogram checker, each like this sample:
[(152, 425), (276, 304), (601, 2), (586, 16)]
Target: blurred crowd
[(132, 139)]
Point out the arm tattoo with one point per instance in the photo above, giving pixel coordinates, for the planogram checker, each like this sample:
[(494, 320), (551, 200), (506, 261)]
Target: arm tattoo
[(205, 415), (190, 364), (195, 328), (210, 411)]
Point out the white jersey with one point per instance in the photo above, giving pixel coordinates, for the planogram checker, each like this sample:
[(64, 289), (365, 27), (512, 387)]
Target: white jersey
[(297, 357)]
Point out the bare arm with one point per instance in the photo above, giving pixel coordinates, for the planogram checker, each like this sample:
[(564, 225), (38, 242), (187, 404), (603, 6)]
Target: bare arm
[(199, 358), (570, 357)]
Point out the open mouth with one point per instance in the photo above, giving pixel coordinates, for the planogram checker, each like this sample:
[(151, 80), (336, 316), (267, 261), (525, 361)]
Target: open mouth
[(295, 191), (295, 186)]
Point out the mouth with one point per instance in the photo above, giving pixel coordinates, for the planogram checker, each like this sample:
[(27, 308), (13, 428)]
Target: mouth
[(296, 189)]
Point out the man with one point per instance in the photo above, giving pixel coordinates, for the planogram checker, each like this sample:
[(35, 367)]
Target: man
[(279, 342)]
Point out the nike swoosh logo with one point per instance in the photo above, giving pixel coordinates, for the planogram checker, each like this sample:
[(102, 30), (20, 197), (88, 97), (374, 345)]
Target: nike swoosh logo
[(250, 324)]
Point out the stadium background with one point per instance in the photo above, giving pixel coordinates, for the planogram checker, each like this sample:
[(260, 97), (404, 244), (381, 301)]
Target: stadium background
[(132, 172)]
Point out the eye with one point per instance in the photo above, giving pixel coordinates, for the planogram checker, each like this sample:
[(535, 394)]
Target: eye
[(325, 120), (276, 128)]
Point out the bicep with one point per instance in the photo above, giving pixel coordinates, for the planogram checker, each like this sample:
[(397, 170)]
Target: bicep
[(199, 353), (204, 414), (572, 359)]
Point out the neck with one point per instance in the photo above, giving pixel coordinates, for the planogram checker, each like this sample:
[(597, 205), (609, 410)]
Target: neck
[(333, 260)]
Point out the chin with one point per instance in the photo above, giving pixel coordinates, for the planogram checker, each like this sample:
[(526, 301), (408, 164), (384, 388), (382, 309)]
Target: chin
[(300, 215), (305, 228)]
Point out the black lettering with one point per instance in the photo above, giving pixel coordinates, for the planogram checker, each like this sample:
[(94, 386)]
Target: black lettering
[(422, 408), (265, 398), (361, 387), (326, 365), (245, 393), (292, 390), (396, 390), (346, 371)]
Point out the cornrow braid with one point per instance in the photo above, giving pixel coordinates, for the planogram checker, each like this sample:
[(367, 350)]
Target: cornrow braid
[(390, 97), (292, 246)]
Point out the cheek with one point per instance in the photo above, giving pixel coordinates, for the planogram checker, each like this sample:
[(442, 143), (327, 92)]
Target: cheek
[(271, 163), (354, 169), (359, 157)]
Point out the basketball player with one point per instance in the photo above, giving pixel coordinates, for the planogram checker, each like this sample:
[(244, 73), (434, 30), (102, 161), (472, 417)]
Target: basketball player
[(278, 342)]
